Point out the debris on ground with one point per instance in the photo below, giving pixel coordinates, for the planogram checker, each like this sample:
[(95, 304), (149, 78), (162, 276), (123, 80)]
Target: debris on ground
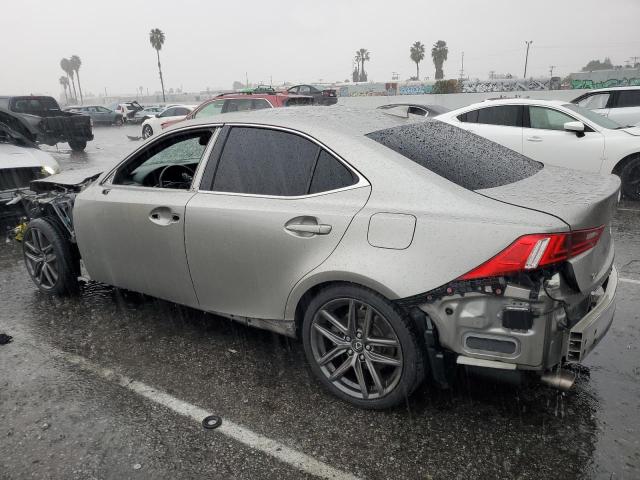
[(211, 422), (137, 466), (4, 338), (134, 137)]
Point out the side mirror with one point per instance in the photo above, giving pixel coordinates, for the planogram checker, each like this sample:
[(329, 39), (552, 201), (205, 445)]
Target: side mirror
[(577, 127)]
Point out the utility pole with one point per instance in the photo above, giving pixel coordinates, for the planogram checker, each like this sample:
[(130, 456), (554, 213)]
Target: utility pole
[(462, 68), (551, 74), (246, 76), (526, 58)]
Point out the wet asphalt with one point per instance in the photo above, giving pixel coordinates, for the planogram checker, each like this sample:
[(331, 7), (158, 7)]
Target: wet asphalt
[(60, 421)]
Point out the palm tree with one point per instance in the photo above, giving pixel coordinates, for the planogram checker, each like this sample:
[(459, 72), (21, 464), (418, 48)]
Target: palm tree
[(64, 81), (362, 56), (65, 64), (417, 55), (439, 54), (75, 64), (156, 37)]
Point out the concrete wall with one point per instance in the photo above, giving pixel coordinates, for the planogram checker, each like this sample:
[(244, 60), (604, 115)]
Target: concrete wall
[(457, 100)]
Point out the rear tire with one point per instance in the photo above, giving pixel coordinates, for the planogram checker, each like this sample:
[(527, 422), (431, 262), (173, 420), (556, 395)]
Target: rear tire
[(361, 347), (630, 177), (50, 257), (147, 131), (119, 122), (78, 145)]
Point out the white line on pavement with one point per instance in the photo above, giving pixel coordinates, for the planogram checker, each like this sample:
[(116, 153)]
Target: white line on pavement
[(628, 210), (629, 280), (242, 434)]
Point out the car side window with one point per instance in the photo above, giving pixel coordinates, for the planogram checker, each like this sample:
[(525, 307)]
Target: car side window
[(628, 98), (169, 112), (169, 163), (260, 104), (265, 162), (330, 174), (181, 111), (238, 105), (211, 109), (595, 101), (305, 90), (548, 118), (504, 115)]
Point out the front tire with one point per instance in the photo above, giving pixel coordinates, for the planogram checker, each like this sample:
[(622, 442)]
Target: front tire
[(49, 257), (78, 145), (147, 131), (119, 122), (361, 347), (630, 178)]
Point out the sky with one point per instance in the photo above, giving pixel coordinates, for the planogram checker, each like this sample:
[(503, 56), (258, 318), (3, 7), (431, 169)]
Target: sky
[(212, 43)]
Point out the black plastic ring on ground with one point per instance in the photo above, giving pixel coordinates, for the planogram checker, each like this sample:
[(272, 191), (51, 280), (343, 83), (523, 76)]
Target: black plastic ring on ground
[(212, 421)]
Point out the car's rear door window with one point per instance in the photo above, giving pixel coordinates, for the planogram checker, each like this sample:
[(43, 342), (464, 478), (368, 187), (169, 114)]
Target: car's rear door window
[(504, 115), (628, 98), (263, 161), (330, 174)]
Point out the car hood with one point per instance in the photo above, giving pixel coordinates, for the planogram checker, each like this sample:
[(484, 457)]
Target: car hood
[(14, 156), (70, 178), (635, 131)]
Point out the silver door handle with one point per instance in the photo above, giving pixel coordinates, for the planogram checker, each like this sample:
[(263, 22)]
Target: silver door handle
[(320, 229), (534, 139)]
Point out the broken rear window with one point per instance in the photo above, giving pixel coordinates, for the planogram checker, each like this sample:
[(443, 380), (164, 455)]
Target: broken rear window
[(461, 157)]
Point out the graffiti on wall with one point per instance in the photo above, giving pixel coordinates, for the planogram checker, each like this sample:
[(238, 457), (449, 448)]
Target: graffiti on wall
[(611, 82), (504, 85)]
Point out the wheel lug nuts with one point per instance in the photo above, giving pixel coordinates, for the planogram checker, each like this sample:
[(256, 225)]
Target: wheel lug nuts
[(350, 352), (348, 339), (367, 347), (359, 334), (361, 357)]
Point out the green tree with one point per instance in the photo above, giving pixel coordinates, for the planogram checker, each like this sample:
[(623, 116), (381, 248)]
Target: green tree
[(65, 64), (156, 37), (64, 81), (75, 64), (447, 86), (417, 55), (439, 54), (598, 65), (362, 56)]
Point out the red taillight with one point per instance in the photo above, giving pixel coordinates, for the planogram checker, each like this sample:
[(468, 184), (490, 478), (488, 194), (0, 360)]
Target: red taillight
[(537, 250)]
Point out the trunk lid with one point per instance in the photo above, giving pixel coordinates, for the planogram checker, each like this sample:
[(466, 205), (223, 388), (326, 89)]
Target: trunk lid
[(581, 200)]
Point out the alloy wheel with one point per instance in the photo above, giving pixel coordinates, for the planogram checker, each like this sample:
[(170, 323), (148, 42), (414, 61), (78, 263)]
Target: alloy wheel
[(40, 259), (356, 348), (147, 131)]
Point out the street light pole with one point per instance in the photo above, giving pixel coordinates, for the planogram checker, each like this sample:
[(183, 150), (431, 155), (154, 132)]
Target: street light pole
[(526, 58)]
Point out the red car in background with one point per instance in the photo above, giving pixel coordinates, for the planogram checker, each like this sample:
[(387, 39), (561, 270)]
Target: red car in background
[(244, 101)]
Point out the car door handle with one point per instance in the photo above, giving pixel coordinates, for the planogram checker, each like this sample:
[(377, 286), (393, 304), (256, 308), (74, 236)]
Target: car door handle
[(535, 138), (320, 229), (163, 216)]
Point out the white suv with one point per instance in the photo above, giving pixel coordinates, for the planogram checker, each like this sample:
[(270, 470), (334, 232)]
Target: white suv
[(621, 104)]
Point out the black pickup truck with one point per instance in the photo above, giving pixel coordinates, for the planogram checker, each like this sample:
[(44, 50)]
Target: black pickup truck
[(43, 121)]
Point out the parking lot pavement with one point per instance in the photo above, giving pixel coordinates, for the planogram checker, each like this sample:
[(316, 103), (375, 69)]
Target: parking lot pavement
[(113, 376)]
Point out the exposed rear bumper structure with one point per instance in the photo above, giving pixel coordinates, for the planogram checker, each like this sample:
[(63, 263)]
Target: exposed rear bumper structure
[(587, 333)]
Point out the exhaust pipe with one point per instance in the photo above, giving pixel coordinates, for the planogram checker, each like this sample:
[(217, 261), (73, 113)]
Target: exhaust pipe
[(560, 379)]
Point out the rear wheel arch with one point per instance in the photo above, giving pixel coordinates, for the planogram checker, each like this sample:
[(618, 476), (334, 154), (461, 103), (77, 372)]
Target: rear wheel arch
[(302, 295)]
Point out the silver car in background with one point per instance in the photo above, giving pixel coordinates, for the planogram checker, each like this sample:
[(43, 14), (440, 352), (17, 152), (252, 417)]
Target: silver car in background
[(392, 248)]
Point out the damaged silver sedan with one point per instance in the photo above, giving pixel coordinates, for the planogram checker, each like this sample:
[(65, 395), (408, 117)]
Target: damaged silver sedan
[(392, 249)]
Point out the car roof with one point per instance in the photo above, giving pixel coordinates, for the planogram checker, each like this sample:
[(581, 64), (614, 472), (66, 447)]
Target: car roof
[(612, 89), (510, 101), (312, 119)]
